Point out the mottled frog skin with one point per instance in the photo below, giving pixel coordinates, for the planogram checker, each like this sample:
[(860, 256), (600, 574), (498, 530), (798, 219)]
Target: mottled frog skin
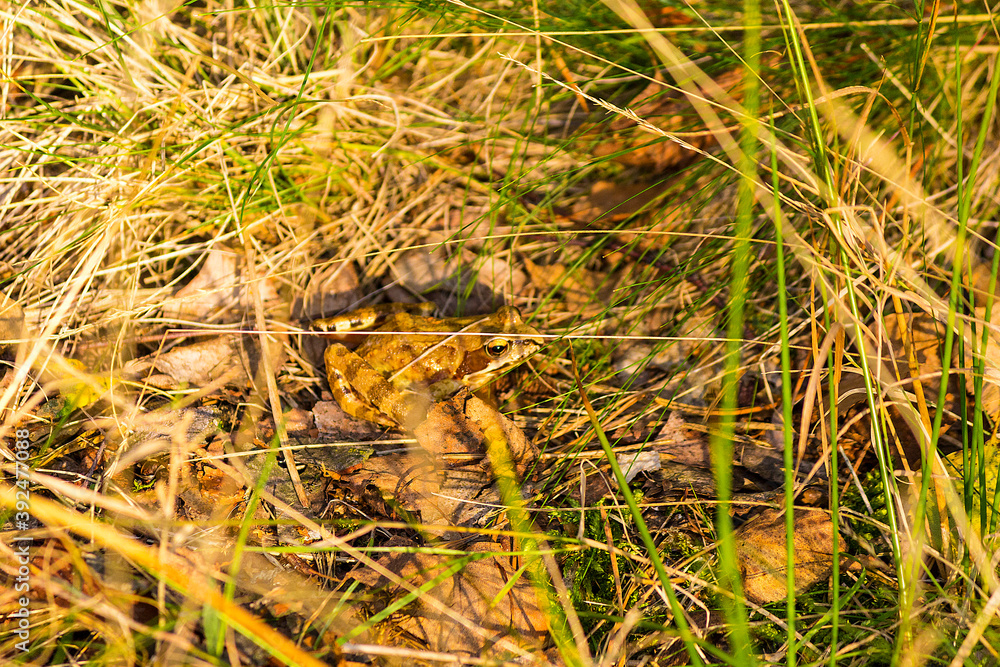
[(411, 355)]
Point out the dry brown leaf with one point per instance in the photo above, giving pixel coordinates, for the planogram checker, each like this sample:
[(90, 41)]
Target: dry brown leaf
[(689, 445), (12, 328), (439, 498), (612, 202), (209, 494), (453, 433), (423, 269), (424, 481), (682, 443), (286, 591), (220, 284), (924, 337), (334, 423), (448, 436), (522, 451), (223, 360), (583, 290), (633, 463), (761, 553), (203, 362), (332, 289), (478, 592), (12, 325), (502, 275), (477, 223), (636, 147)]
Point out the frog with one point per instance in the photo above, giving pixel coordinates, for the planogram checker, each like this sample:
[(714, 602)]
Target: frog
[(410, 358)]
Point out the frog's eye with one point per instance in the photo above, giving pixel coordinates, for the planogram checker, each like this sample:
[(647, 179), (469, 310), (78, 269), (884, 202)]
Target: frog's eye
[(497, 346)]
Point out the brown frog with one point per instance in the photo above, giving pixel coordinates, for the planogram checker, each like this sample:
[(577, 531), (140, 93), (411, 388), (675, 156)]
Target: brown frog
[(412, 355)]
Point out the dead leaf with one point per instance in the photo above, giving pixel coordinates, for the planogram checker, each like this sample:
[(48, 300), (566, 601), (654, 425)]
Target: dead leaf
[(423, 269), (498, 602), (14, 336), (688, 444), (761, 553), (287, 592), (683, 444), (637, 462), (223, 360), (453, 433), (440, 498), (12, 325), (924, 337), (334, 423), (502, 276), (318, 467), (586, 291), (209, 494), (332, 289), (522, 451), (154, 432), (448, 436), (220, 284), (613, 202), (203, 362)]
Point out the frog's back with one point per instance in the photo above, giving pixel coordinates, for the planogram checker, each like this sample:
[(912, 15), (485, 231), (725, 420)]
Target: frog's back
[(413, 343)]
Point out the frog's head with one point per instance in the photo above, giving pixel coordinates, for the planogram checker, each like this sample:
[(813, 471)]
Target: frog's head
[(506, 341)]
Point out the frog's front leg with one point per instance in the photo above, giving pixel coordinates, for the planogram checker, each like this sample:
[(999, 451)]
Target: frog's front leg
[(362, 391)]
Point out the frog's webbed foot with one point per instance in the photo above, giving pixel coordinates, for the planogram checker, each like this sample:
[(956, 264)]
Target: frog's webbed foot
[(351, 377)]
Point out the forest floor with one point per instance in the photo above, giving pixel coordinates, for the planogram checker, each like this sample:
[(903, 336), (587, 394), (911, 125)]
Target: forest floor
[(684, 267)]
